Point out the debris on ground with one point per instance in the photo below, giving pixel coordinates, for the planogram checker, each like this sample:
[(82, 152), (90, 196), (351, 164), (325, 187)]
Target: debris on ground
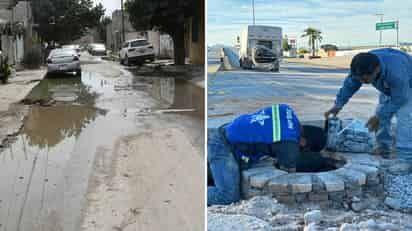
[(265, 213)]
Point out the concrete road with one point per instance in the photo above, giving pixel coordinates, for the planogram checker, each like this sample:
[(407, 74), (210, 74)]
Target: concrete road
[(310, 90), (103, 154)]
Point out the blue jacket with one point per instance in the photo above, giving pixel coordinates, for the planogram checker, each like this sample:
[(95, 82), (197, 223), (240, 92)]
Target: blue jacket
[(395, 80), (267, 126)]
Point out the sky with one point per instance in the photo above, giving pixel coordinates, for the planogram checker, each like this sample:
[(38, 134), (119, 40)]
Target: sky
[(109, 5), (342, 22)]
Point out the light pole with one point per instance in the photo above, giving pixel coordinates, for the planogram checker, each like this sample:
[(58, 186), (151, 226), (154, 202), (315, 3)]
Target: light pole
[(380, 31), (253, 11), (123, 35), (397, 33)]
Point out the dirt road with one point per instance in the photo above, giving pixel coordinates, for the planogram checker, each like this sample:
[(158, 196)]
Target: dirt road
[(103, 155)]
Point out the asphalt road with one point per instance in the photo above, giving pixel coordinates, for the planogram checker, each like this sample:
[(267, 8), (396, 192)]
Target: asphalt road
[(310, 90), (103, 155)]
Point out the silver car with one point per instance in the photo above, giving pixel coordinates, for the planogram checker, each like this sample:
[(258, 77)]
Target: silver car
[(74, 47), (63, 61), (97, 49)]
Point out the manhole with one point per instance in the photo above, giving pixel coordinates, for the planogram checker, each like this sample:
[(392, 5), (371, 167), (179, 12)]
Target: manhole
[(333, 177), (340, 177), (312, 162)]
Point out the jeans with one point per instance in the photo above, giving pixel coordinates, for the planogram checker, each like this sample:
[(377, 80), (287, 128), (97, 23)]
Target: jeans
[(403, 128), (225, 172)]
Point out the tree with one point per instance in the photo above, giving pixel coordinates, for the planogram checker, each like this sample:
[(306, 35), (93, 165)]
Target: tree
[(102, 28), (166, 16), (285, 45), (65, 20), (314, 36)]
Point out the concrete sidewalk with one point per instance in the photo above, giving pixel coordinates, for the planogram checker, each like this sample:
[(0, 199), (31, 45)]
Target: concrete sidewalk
[(12, 113)]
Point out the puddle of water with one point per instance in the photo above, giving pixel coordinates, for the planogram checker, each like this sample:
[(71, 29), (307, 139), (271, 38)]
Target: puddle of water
[(48, 126), (34, 168), (177, 95), (62, 90)]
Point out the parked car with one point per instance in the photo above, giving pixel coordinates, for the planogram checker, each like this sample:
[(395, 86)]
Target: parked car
[(136, 50), (63, 61), (97, 49), (74, 47)]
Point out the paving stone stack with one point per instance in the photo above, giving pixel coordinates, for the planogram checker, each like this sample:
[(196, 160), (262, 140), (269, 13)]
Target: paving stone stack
[(349, 135)]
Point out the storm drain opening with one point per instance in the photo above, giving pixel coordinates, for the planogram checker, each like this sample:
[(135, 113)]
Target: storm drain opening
[(316, 162)]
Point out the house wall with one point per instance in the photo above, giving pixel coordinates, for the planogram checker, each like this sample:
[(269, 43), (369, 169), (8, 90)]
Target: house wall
[(5, 4), (195, 36)]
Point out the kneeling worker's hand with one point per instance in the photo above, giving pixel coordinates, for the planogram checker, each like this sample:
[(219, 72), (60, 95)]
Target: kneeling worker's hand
[(373, 124)]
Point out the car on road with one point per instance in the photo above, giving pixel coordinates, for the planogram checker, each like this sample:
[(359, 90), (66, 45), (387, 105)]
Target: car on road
[(97, 49), (63, 61), (74, 47), (136, 50)]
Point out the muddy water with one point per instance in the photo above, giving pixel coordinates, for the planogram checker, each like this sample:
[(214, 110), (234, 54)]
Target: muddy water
[(45, 171)]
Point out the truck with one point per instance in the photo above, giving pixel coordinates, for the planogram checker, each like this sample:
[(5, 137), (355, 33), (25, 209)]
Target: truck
[(260, 47)]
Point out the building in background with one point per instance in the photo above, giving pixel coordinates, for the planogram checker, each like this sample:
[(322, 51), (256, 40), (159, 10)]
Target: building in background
[(162, 43), (16, 29), (195, 35), (292, 43)]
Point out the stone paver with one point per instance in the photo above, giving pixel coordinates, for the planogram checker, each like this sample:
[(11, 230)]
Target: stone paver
[(352, 176), (361, 172), (279, 184), (370, 171), (332, 182), (246, 174), (300, 182), (362, 159), (260, 179)]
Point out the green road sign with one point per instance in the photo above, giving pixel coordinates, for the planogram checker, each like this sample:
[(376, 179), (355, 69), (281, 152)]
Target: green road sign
[(386, 25)]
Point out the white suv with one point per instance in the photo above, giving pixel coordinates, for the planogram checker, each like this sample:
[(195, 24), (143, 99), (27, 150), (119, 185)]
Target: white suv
[(136, 50)]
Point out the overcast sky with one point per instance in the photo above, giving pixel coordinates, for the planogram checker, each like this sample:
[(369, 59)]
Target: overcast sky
[(110, 5), (342, 22)]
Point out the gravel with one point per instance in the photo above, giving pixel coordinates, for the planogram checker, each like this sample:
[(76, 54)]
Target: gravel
[(400, 187)]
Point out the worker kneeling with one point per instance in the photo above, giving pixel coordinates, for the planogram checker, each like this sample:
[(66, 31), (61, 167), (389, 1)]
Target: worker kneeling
[(273, 131)]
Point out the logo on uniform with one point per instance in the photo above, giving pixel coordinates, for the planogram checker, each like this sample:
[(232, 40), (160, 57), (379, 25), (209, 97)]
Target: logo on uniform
[(259, 118), (289, 118)]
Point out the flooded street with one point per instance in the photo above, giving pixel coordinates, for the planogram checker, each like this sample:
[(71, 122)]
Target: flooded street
[(85, 132)]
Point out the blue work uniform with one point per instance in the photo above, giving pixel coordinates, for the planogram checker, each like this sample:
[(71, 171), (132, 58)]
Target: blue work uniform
[(273, 131), (253, 135), (394, 83)]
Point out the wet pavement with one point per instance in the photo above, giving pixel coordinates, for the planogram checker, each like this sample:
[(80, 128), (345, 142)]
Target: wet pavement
[(45, 170), (310, 90)]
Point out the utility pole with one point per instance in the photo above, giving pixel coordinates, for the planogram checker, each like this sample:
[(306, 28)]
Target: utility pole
[(380, 31), (397, 33), (253, 11), (123, 34)]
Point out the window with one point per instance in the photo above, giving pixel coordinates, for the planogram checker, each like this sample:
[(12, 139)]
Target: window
[(195, 29), (267, 44), (139, 43)]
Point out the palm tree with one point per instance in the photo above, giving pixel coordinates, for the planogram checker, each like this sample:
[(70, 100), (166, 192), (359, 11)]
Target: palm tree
[(314, 37)]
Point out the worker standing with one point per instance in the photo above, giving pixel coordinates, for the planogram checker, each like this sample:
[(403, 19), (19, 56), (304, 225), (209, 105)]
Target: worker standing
[(390, 72)]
